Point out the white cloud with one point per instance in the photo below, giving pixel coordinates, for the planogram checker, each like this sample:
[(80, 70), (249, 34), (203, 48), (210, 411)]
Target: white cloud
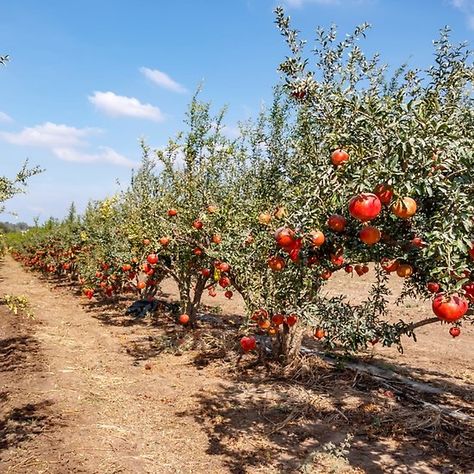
[(66, 143), (49, 135), (105, 155), (163, 80), (466, 7), (5, 118), (122, 106)]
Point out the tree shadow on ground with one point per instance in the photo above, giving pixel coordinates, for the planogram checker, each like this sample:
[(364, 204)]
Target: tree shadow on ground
[(211, 339), (24, 423), (462, 389), (256, 422), (17, 352), (447, 385), (113, 312)]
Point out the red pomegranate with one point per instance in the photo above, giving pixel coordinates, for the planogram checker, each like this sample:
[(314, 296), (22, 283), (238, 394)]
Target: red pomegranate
[(469, 289), (285, 237), (365, 206), (384, 193), (449, 308), (433, 287), (152, 258), (248, 343), (370, 235), (337, 223), (455, 331)]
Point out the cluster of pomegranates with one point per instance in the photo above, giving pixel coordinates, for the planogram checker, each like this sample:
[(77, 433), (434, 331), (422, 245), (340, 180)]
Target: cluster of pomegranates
[(220, 273), (270, 324)]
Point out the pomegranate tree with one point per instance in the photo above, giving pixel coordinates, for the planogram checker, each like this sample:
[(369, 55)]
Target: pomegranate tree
[(178, 202), (382, 166)]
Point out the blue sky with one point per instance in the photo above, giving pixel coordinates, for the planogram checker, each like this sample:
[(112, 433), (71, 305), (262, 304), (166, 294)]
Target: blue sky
[(88, 78)]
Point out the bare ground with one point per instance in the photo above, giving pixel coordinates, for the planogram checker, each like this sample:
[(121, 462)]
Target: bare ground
[(85, 389)]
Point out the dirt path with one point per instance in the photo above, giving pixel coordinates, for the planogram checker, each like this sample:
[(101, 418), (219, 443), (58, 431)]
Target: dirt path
[(85, 389), (100, 413)]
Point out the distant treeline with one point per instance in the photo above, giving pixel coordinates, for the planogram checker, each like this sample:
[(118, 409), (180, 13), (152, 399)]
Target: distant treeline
[(7, 227)]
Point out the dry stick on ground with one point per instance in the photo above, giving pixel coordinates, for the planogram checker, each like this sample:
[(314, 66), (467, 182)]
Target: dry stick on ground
[(377, 372), (443, 409), (384, 375)]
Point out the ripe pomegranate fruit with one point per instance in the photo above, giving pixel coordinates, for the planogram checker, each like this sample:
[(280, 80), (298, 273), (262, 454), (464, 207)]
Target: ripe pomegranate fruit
[(248, 343), (370, 235), (449, 308), (291, 320), (359, 270), (384, 193), (285, 237), (418, 242), (278, 319), (469, 289), (455, 331), (337, 260), (404, 270), (224, 267), (319, 333), (183, 319), (276, 263), (338, 157), (433, 287), (337, 223), (389, 265), (152, 258), (404, 208), (326, 274), (264, 324), (259, 314), (224, 281), (205, 272), (365, 207), (294, 249), (317, 238)]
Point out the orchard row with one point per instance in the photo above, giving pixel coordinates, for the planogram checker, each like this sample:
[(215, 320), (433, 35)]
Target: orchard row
[(348, 170)]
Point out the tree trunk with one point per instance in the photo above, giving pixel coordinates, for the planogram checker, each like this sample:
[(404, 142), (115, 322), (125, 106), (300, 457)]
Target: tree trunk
[(287, 346), (191, 305)]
